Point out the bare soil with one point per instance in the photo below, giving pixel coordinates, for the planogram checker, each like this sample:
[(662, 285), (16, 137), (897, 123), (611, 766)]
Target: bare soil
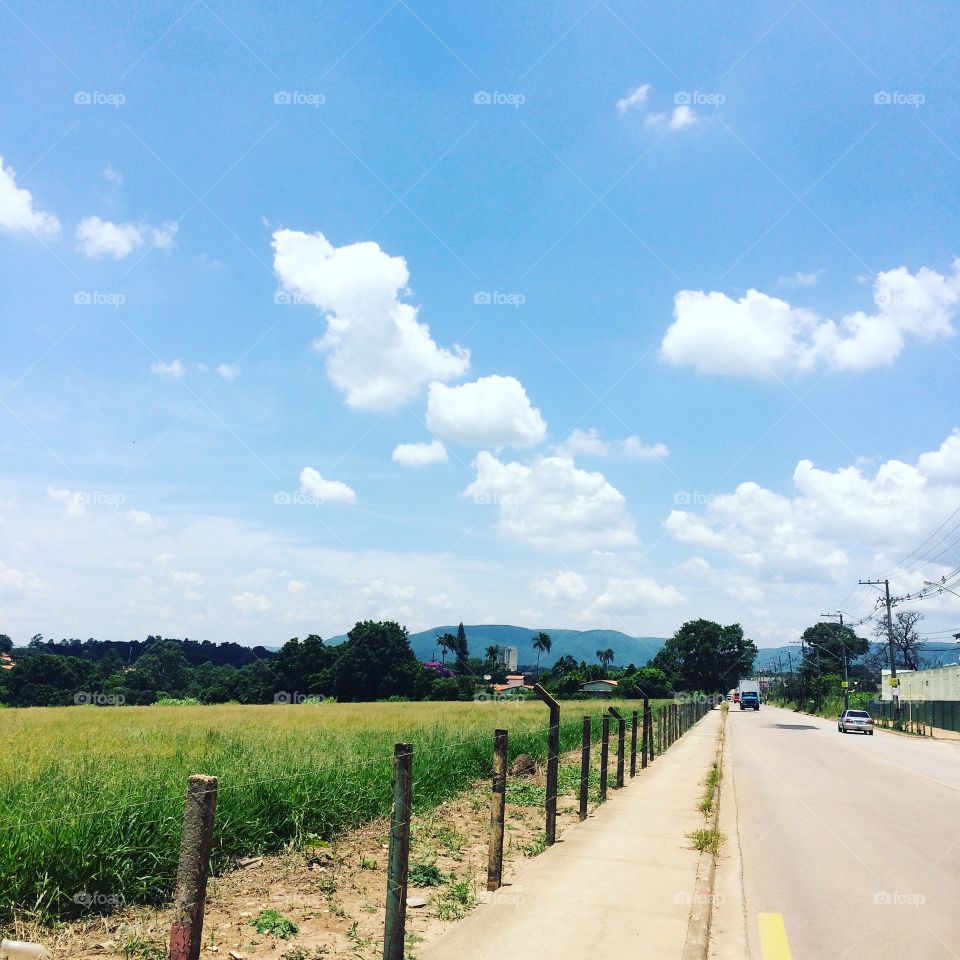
[(335, 894)]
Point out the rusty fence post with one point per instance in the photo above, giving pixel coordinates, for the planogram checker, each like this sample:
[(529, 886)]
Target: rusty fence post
[(633, 745), (647, 742), (604, 757), (497, 803), (621, 743), (199, 811), (585, 768), (395, 921), (553, 762)]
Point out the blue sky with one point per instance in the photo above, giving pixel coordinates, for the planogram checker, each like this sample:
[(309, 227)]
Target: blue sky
[(527, 241)]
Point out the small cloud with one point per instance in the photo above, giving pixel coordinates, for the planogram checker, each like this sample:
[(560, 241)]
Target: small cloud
[(682, 116), (228, 371), (174, 368), (74, 504), (636, 449), (326, 491), (143, 521), (100, 238), (296, 586), (114, 176), (420, 454), (635, 98), (801, 279)]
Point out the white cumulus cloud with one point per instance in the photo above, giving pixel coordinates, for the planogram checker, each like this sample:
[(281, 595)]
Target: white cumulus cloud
[(420, 454), (634, 99), (632, 595), (589, 443), (100, 238), (17, 210), (252, 604), (560, 585), (762, 336), (493, 411), (174, 368), (326, 491), (551, 504), (379, 354)]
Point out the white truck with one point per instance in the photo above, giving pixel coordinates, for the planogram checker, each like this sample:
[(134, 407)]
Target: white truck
[(749, 691)]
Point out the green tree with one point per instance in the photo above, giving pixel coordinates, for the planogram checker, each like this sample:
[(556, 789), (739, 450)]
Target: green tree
[(705, 656), (606, 657), (376, 662), (6, 644), (826, 641), (448, 644), (646, 682), (542, 644)]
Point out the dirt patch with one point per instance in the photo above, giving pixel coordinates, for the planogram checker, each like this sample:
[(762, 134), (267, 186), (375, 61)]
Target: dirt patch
[(335, 894)]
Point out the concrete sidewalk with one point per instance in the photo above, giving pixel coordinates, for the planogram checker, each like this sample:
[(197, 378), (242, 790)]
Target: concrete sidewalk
[(623, 880)]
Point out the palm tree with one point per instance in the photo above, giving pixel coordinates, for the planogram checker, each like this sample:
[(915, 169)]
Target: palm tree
[(542, 644), (447, 641), (493, 654), (606, 657)]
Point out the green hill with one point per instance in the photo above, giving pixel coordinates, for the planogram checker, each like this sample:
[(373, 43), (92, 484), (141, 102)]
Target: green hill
[(579, 644)]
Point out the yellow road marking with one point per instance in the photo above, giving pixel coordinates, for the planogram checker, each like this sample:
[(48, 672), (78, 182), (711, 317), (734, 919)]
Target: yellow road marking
[(773, 937)]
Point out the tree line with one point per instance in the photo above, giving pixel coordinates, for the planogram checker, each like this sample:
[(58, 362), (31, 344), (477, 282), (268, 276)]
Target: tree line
[(375, 662)]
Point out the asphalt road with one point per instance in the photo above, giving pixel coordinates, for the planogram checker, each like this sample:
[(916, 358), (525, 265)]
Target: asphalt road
[(849, 845)]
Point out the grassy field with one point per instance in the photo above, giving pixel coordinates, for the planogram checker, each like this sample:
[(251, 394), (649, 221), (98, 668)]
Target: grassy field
[(91, 799)]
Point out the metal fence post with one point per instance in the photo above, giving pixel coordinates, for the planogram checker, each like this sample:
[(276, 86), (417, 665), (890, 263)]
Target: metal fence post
[(396, 915), (553, 762), (199, 810), (633, 745), (585, 768), (497, 803), (604, 756)]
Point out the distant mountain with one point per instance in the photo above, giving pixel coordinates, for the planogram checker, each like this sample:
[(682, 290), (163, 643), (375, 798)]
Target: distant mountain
[(938, 654), (579, 644)]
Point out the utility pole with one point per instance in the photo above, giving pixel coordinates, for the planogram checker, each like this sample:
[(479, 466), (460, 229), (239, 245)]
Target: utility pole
[(846, 677), (894, 687)]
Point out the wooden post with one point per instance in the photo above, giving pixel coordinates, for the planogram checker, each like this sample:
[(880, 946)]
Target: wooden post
[(199, 810), (498, 798), (647, 741), (553, 762), (604, 756), (621, 743), (633, 745), (395, 921), (585, 768)]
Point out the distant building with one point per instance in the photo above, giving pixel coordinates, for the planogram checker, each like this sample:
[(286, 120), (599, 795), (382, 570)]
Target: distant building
[(508, 657), (515, 683), (599, 688), (6, 661), (937, 683)]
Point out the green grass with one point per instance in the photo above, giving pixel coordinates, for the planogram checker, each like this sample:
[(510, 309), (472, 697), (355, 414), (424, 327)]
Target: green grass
[(710, 840), (91, 799), (269, 921)]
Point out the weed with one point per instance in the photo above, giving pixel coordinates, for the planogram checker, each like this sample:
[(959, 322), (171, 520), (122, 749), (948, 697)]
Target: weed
[(269, 921), (139, 949), (535, 848), (456, 901), (426, 875), (367, 864), (707, 840)]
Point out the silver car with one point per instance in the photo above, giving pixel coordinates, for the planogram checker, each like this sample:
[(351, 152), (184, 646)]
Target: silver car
[(855, 721)]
